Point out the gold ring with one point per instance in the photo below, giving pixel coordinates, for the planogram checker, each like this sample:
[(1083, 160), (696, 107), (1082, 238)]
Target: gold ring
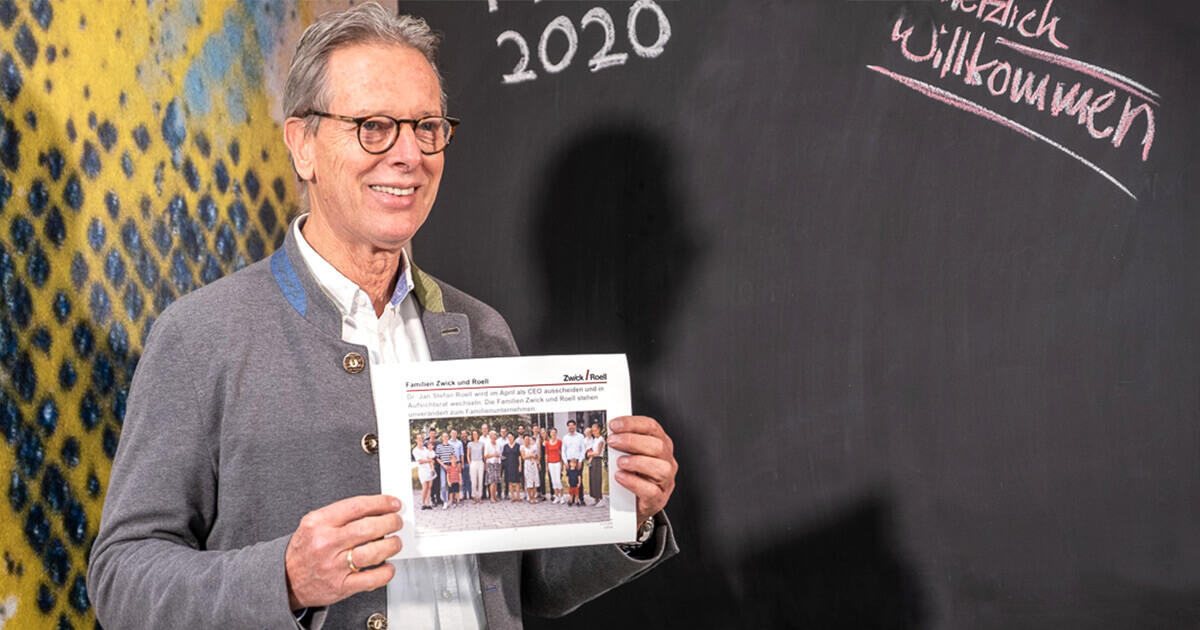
[(350, 561)]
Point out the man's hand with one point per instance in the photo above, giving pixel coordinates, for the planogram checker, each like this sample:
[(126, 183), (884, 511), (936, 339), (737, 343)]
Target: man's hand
[(648, 466), (316, 559)]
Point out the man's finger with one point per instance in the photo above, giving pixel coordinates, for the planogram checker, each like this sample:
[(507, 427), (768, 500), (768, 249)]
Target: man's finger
[(374, 552), (635, 424), (653, 468), (368, 579), (637, 444), (651, 498), (341, 512), (370, 528), (645, 489)]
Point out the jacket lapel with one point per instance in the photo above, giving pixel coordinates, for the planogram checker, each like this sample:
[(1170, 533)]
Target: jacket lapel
[(448, 334)]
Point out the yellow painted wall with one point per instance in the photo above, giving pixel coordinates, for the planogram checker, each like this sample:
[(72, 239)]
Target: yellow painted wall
[(140, 158)]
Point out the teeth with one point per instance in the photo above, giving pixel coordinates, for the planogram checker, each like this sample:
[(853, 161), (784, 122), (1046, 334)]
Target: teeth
[(399, 192)]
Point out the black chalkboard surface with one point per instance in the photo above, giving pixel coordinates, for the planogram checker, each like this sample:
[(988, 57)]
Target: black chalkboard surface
[(913, 285)]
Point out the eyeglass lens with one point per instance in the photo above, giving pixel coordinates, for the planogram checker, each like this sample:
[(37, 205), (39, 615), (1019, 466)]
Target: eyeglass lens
[(377, 134)]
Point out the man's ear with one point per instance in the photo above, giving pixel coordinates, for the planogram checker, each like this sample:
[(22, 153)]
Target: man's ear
[(300, 147)]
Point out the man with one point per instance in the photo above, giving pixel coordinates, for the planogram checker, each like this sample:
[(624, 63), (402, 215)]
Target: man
[(444, 451), (462, 458), (245, 489), (457, 445), (504, 480), (574, 446)]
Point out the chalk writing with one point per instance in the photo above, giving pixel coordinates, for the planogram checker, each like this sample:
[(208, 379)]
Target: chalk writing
[(1007, 14), (603, 58), (563, 25), (976, 108), (966, 53), (521, 72)]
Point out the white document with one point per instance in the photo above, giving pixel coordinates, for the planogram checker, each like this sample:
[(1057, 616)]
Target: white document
[(540, 393)]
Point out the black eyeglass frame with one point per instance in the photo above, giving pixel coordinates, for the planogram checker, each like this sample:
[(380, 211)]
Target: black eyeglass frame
[(358, 123)]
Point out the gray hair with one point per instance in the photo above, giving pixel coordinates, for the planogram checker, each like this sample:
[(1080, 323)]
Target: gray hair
[(307, 84)]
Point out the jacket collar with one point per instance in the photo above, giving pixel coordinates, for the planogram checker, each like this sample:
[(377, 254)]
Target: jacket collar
[(447, 334)]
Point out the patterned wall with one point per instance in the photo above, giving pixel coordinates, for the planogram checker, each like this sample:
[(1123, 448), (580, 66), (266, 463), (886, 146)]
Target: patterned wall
[(140, 158)]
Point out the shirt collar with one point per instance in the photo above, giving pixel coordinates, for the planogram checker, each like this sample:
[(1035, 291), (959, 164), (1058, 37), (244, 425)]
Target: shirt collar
[(337, 286)]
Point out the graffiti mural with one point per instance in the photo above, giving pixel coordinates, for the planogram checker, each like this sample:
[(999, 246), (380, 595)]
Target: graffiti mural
[(140, 158)]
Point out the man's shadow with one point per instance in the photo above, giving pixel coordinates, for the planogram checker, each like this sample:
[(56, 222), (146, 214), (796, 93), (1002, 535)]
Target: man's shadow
[(617, 253)]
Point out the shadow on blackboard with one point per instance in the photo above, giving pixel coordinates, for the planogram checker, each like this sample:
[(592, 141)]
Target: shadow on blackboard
[(616, 252)]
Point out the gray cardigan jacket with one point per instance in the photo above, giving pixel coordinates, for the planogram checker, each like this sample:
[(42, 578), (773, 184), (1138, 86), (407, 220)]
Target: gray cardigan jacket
[(240, 420)]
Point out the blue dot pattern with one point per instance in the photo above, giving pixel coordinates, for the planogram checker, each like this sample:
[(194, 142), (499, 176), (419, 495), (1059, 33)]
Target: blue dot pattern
[(120, 190)]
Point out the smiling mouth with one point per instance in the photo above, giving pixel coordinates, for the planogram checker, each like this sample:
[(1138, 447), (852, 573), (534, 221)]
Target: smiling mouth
[(398, 192)]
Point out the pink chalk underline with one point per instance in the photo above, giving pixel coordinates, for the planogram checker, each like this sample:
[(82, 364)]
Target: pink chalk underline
[(979, 110), (1107, 76)]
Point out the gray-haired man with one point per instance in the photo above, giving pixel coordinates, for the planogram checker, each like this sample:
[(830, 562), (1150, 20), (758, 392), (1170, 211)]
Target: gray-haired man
[(245, 490)]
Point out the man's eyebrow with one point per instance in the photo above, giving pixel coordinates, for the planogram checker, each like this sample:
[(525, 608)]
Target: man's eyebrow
[(425, 113)]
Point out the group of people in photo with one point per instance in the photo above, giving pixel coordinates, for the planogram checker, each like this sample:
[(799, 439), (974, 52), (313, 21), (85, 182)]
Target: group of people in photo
[(531, 464)]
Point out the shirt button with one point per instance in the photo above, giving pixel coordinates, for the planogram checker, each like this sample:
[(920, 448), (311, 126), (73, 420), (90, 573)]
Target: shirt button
[(377, 622), (446, 594), (353, 362), (370, 443)]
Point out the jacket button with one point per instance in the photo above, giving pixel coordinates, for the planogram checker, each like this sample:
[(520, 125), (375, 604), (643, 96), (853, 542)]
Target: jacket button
[(370, 443), (376, 622), (354, 362)]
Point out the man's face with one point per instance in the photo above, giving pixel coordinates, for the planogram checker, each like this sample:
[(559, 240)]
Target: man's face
[(377, 201), (521, 430), (454, 434), (445, 438), (571, 428)]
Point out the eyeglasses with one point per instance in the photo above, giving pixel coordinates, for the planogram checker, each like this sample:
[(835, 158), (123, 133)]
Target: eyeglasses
[(377, 134)]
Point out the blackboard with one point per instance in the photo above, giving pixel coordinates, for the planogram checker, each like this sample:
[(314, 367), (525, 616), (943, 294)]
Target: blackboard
[(928, 346)]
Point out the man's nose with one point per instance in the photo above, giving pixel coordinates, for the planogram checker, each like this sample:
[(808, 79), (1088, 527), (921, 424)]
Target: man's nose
[(406, 150)]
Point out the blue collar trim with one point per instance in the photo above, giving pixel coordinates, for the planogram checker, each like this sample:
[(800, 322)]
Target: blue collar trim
[(401, 290), (289, 281)]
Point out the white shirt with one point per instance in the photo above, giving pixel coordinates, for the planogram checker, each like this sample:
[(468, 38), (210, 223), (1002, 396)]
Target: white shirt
[(574, 446), (428, 593), (396, 336)]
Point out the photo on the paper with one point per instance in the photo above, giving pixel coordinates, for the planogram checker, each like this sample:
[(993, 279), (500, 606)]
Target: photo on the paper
[(505, 472), (423, 411)]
